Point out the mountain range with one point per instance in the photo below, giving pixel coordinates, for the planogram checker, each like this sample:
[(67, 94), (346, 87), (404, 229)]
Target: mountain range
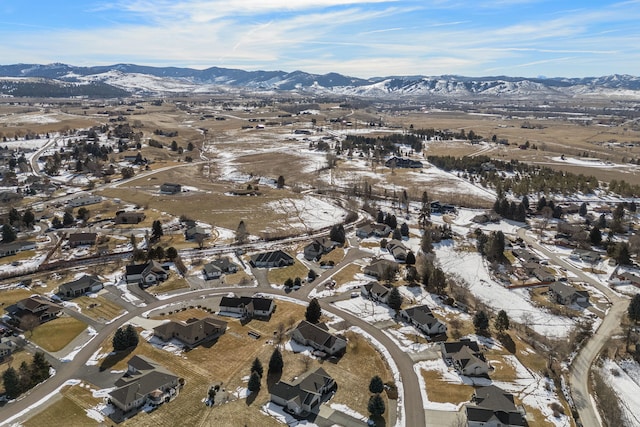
[(121, 80)]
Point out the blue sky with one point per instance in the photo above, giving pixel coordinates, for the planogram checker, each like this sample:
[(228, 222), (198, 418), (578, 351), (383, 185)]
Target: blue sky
[(358, 38)]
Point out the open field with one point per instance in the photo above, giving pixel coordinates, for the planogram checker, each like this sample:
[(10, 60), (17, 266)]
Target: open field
[(442, 391), (103, 309), (57, 333), (279, 275)]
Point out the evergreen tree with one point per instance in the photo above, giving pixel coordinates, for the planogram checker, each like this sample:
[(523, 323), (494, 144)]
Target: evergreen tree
[(337, 234), (395, 299), (502, 322), (425, 211), (376, 385), (426, 242), (376, 405), (39, 368), (14, 217), (411, 258), (602, 221), (280, 183), (313, 313), (481, 322), (437, 279), (156, 230), (254, 382), (8, 234), (171, 253), (542, 202), (521, 213), (404, 229), (131, 336), (28, 218), (275, 362), (311, 276), (583, 209), (241, 233), (525, 202), (634, 309), (621, 253), (11, 383), (380, 217), (256, 366), (297, 282), (67, 219), (397, 235), (288, 283), (595, 236)]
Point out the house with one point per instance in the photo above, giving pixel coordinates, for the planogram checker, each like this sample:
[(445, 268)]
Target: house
[(317, 248), (465, 357), (375, 291), (144, 382), (124, 217), (9, 196), (84, 200), (525, 256), (491, 407), (218, 267), (80, 239), (399, 162), (629, 277), (7, 347), (193, 332), (248, 307), (272, 259), (304, 394), (170, 188), (486, 217), (146, 274), (373, 230), (567, 295), (195, 233), (543, 275), (397, 249), (8, 249), (381, 268), (423, 319), (36, 305), (584, 255), (318, 337), (80, 286), (437, 207)]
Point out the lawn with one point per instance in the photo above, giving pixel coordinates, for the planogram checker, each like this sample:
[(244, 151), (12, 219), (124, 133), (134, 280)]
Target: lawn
[(346, 274), (103, 310), (442, 391), (56, 334), (71, 406), (279, 275), (11, 296), (238, 278), (172, 284)]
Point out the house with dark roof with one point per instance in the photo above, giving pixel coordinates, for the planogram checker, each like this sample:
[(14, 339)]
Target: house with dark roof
[(423, 319), (397, 249), (144, 382), (170, 188), (146, 274), (80, 286), (317, 248), (319, 338), (193, 332), (8, 249), (128, 217), (373, 230), (218, 267), (492, 406), (272, 259), (36, 305), (82, 239), (585, 255), (567, 295), (7, 347), (375, 291), (400, 162), (381, 268), (525, 255), (303, 395), (465, 357), (248, 307), (195, 233)]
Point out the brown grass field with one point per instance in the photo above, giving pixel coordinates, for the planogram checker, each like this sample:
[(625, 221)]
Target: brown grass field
[(57, 333), (222, 361)]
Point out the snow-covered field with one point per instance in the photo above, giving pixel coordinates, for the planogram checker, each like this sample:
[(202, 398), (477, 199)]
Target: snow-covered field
[(624, 378)]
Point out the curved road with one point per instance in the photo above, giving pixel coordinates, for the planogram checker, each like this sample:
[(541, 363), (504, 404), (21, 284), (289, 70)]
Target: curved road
[(414, 414), (581, 365)]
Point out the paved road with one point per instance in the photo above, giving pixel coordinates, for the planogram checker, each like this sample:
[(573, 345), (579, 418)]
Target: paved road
[(581, 365)]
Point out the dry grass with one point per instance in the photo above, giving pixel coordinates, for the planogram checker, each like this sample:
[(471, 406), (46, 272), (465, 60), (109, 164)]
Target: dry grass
[(442, 391), (55, 335), (347, 274), (172, 284), (335, 255), (11, 296), (280, 275), (65, 411), (536, 417), (104, 310), (237, 278), (15, 361)]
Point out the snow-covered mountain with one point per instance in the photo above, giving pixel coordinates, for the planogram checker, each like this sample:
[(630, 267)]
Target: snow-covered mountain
[(122, 79)]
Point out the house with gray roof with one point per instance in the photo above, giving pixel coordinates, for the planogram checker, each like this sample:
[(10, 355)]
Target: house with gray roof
[(397, 249), (129, 217), (381, 268), (193, 332), (317, 248), (423, 319), (303, 395), (375, 291), (491, 406), (144, 382), (82, 239), (465, 357), (170, 188), (7, 347), (84, 200), (146, 274), (373, 230), (80, 286), (218, 267), (318, 337), (248, 307), (272, 259), (567, 295), (36, 305)]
